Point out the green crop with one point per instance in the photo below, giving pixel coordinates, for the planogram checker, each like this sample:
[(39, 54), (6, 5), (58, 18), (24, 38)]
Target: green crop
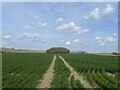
[(61, 75), (86, 64), (92, 62), (24, 70), (75, 83)]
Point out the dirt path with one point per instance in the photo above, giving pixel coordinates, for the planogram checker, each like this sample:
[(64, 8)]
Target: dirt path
[(76, 75), (48, 76)]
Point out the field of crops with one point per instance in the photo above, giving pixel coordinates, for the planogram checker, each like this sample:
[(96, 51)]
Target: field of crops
[(96, 68), (24, 70)]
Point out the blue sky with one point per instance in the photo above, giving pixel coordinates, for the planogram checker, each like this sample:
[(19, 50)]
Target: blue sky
[(85, 26)]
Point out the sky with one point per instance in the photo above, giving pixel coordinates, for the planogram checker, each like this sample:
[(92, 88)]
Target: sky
[(78, 26)]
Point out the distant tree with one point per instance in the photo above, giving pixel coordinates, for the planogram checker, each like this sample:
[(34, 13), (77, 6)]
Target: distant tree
[(12, 48), (58, 50), (2, 51), (81, 52), (115, 53)]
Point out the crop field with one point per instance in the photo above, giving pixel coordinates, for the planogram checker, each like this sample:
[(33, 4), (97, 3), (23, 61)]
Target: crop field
[(22, 70), (28, 70), (96, 68)]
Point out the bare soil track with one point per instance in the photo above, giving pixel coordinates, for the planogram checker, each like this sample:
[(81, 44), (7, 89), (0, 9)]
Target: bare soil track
[(48, 76), (76, 75)]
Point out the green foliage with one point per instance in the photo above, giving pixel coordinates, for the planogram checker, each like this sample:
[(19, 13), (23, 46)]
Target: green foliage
[(93, 62), (61, 75), (89, 78), (24, 70), (78, 84), (72, 81), (111, 79), (75, 83), (102, 82), (89, 63)]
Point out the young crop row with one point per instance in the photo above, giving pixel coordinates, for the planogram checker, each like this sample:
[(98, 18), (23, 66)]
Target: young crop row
[(61, 75), (100, 79), (24, 70), (94, 68), (76, 83), (92, 62), (88, 76), (102, 82)]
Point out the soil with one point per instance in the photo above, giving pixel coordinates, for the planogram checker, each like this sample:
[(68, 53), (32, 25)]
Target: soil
[(48, 76)]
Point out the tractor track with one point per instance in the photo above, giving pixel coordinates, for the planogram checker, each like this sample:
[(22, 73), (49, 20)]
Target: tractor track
[(48, 76)]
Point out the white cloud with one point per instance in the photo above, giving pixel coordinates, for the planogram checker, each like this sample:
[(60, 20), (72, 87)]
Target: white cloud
[(109, 9), (114, 34), (30, 36), (94, 15), (105, 41), (59, 21), (76, 41), (110, 39), (86, 30), (6, 36), (68, 43), (100, 43), (98, 37), (72, 28), (43, 25)]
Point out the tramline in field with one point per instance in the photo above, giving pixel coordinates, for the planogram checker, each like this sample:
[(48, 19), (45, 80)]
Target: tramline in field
[(95, 68), (25, 70)]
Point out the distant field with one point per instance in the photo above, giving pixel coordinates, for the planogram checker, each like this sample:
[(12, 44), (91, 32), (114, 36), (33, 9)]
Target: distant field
[(21, 50), (108, 54), (25, 70)]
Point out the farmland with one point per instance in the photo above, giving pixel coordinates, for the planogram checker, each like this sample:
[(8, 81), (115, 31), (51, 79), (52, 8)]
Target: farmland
[(60, 78), (95, 68), (25, 70)]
